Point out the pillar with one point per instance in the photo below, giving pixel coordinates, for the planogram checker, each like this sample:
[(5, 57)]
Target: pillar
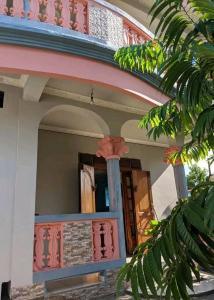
[(112, 148), (179, 171)]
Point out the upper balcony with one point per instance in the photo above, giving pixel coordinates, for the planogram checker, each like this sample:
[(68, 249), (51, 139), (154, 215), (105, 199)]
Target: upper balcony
[(93, 18)]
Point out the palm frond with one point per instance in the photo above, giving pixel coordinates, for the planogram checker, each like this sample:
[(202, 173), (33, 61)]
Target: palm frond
[(188, 235)]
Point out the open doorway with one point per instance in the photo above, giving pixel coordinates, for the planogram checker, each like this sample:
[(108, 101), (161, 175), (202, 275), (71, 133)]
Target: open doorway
[(136, 195)]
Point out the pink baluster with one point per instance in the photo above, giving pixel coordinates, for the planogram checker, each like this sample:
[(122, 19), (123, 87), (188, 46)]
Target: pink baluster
[(50, 16), (34, 10), (135, 39), (18, 9), (141, 39), (53, 249), (66, 13), (115, 239), (97, 241), (107, 227), (39, 248), (3, 7), (80, 10), (126, 35)]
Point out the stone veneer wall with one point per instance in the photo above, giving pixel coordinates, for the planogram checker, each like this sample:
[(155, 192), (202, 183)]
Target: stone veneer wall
[(106, 25), (35, 291), (93, 291), (77, 246), (105, 287)]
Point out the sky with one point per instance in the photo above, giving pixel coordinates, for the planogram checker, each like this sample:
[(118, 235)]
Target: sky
[(202, 164)]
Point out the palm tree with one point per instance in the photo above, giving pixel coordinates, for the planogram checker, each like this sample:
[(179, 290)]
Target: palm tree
[(182, 55)]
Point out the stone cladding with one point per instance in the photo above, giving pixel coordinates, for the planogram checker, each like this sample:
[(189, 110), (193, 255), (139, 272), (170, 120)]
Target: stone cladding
[(77, 246), (106, 25)]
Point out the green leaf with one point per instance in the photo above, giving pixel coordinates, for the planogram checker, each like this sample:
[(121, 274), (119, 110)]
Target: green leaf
[(148, 275), (141, 279), (134, 283)]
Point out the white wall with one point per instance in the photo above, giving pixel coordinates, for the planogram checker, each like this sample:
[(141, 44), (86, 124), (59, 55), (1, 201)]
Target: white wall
[(8, 140), (19, 121)]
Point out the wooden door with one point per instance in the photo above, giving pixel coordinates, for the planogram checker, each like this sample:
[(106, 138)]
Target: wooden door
[(143, 205), (129, 211), (87, 181)]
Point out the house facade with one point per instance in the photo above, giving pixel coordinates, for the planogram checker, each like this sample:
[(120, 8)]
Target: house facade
[(79, 180)]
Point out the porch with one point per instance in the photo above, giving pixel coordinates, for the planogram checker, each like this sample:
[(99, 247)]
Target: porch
[(83, 223)]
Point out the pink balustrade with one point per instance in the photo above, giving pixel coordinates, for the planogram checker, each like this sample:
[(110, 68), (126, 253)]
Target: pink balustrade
[(105, 240), (48, 245), (14, 10), (71, 14), (133, 35)]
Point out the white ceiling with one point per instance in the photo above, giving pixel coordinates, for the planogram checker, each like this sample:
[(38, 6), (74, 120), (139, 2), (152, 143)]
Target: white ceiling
[(99, 92)]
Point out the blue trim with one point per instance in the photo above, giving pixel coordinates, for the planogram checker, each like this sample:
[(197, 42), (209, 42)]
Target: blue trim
[(116, 204), (40, 277), (22, 32), (75, 217)]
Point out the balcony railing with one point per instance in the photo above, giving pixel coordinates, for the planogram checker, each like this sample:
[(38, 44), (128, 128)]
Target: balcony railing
[(92, 17), (65, 244)]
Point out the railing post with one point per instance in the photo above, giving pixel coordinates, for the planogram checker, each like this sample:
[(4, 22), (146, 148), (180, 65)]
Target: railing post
[(48, 247), (18, 8), (34, 13), (97, 240), (66, 13), (3, 7), (50, 16), (112, 148), (39, 248), (80, 11)]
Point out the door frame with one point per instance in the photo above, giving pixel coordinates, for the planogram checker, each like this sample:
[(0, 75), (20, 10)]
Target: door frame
[(126, 165)]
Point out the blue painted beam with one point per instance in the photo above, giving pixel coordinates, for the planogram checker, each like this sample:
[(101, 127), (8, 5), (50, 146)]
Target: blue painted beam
[(116, 205), (39, 277), (75, 217)]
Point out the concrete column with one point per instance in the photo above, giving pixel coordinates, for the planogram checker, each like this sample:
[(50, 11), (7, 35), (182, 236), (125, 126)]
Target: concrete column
[(112, 148), (180, 181), (179, 172), (25, 194)]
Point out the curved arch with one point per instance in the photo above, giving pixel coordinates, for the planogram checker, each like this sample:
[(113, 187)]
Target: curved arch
[(26, 60), (87, 114)]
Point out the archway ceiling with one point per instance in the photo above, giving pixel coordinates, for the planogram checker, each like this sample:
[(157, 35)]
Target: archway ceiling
[(68, 121), (100, 92)]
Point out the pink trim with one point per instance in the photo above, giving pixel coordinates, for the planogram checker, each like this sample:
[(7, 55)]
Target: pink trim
[(50, 234), (105, 240), (25, 60), (112, 147), (168, 153), (34, 10), (66, 8), (80, 11), (17, 10), (50, 16), (3, 7)]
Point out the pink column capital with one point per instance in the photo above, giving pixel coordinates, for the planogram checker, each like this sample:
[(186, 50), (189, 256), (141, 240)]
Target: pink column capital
[(168, 156), (112, 147)]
